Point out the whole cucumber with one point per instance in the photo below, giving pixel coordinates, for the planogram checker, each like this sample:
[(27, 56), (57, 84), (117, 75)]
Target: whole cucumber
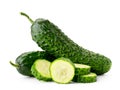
[(51, 39)]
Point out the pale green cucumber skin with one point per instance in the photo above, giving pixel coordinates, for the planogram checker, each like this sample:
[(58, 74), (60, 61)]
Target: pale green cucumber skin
[(66, 60), (37, 74)]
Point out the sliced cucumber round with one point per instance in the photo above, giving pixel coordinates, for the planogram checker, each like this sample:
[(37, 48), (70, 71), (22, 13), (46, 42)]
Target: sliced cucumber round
[(89, 78), (62, 70), (81, 69), (40, 69)]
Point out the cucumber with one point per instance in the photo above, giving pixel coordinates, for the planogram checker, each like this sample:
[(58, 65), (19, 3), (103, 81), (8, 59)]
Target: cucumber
[(83, 74), (62, 70), (51, 39), (24, 61), (89, 78), (40, 69), (81, 69)]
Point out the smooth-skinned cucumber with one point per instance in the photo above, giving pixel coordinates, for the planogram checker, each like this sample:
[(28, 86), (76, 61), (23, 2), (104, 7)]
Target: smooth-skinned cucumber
[(62, 70), (51, 39), (24, 61), (41, 69)]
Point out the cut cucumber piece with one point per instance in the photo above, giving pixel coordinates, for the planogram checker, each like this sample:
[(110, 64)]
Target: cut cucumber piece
[(81, 69), (40, 69), (62, 70), (89, 78)]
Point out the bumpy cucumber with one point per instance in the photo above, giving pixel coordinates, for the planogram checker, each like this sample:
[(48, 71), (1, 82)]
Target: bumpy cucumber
[(81, 69), (24, 61), (62, 70), (40, 69), (89, 78), (50, 38)]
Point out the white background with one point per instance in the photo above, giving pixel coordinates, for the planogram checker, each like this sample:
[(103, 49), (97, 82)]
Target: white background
[(93, 24)]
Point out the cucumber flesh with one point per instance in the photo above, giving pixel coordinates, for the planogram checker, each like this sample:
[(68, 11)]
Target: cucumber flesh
[(81, 69), (62, 70), (40, 69), (89, 78)]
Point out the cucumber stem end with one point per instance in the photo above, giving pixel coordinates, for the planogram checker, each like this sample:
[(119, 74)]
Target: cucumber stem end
[(24, 14), (15, 65)]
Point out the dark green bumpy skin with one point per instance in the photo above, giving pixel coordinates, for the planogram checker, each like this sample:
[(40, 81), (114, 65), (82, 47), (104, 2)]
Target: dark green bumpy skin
[(26, 60), (50, 38)]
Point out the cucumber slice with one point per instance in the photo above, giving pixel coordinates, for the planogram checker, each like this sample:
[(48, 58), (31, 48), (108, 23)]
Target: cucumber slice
[(40, 69), (81, 69), (89, 78), (62, 70)]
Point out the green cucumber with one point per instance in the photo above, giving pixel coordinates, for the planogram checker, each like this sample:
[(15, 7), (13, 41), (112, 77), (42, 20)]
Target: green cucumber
[(88, 78), (81, 69), (83, 74), (24, 61), (40, 69), (62, 70), (51, 39)]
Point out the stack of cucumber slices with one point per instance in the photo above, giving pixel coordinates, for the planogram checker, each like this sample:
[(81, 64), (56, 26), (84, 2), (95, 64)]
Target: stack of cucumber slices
[(63, 71)]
